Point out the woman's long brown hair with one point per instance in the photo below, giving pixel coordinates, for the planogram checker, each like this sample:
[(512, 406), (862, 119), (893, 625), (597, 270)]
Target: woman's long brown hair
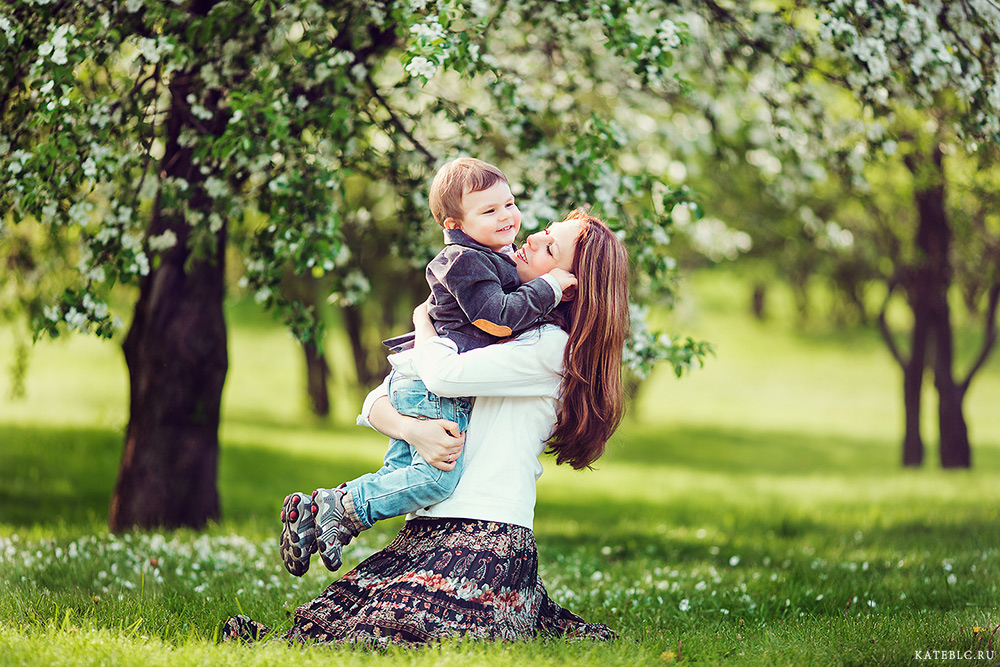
[(597, 322)]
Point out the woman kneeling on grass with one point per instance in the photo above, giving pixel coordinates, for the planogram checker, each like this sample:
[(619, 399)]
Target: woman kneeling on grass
[(468, 566)]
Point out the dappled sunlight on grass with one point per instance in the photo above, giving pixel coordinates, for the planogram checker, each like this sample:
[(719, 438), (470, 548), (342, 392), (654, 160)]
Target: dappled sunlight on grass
[(770, 374), (753, 512)]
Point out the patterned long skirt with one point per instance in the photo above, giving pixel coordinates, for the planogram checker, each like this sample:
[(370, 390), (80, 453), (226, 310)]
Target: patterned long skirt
[(439, 578)]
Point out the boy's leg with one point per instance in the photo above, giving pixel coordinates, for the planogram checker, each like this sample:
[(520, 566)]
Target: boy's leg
[(407, 488), (336, 521), (405, 483), (336, 526)]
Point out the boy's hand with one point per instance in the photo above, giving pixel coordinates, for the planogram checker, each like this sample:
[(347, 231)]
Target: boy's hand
[(567, 281), (423, 328)]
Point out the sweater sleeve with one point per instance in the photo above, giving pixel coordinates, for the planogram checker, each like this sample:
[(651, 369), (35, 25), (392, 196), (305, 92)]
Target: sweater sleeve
[(472, 279), (375, 394), (530, 365)]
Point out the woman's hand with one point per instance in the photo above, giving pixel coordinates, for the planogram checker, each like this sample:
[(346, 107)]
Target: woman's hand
[(436, 440), (423, 328)]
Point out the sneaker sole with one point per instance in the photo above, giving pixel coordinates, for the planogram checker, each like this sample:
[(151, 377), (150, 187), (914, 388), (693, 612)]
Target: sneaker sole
[(293, 520), (327, 544)]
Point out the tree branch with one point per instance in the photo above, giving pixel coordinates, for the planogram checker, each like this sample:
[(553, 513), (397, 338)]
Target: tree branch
[(428, 157), (182, 105), (152, 137), (989, 336), (883, 326)]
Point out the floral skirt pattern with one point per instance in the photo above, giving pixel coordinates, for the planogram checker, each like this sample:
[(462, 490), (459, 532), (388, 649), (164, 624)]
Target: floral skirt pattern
[(439, 578)]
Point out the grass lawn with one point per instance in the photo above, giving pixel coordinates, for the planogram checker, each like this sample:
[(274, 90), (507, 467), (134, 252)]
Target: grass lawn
[(752, 513)]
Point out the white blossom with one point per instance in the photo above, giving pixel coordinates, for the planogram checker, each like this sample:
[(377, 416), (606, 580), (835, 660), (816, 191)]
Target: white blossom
[(716, 240), (609, 185), (17, 161), (668, 34), (56, 47), (79, 212), (429, 31), (97, 309), (141, 265), (482, 8), (7, 28), (202, 113), (94, 274), (216, 187), (537, 209), (421, 66), (75, 319), (377, 14), (161, 242)]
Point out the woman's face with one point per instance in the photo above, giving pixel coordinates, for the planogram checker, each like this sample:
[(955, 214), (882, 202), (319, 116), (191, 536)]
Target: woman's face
[(550, 248)]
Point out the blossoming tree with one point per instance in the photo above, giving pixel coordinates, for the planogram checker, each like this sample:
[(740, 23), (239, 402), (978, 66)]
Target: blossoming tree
[(881, 102), (150, 135)]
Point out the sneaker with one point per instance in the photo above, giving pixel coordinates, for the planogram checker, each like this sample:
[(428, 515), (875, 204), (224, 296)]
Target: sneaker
[(328, 508), (298, 533)]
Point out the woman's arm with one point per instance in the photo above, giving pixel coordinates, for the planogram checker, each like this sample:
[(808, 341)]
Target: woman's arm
[(432, 438), (530, 365)]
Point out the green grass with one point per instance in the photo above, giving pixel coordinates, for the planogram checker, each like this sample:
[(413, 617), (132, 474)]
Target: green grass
[(753, 513)]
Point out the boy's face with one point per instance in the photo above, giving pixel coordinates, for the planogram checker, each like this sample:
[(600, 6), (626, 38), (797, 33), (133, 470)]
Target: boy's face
[(490, 217)]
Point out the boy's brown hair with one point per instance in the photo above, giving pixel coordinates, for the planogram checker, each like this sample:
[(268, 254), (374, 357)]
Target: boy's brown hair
[(454, 179)]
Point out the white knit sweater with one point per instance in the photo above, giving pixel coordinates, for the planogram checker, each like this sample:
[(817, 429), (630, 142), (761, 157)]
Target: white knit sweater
[(516, 389)]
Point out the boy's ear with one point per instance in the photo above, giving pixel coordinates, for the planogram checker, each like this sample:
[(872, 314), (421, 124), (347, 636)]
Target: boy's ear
[(452, 223)]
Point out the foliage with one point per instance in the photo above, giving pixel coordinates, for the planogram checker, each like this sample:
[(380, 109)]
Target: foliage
[(578, 101), (792, 98), (284, 105)]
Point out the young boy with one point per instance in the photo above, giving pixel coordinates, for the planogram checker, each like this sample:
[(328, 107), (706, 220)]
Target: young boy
[(475, 300)]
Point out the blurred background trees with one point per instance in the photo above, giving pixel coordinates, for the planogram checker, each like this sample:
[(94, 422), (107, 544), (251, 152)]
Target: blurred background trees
[(865, 122), (158, 155)]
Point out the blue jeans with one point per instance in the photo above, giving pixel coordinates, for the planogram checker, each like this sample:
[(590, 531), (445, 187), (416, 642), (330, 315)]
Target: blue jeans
[(405, 482)]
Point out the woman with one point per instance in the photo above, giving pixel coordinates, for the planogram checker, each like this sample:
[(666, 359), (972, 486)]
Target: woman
[(468, 566)]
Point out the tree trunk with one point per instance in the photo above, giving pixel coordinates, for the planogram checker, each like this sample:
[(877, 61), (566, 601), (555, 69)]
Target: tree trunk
[(758, 300), (304, 289), (352, 322), (934, 241), (913, 380), (177, 362), (956, 451), (317, 373)]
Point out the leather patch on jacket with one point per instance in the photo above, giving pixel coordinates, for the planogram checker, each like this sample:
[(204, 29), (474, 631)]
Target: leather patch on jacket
[(493, 329)]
